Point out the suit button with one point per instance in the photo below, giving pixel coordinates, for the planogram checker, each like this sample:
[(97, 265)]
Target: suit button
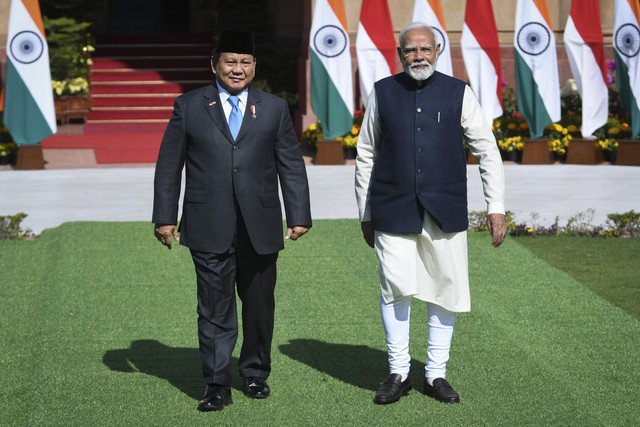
[(236, 171), (419, 150), (235, 148), (419, 110), (419, 130)]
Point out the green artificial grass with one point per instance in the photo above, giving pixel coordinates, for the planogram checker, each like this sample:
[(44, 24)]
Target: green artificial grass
[(98, 327), (606, 266)]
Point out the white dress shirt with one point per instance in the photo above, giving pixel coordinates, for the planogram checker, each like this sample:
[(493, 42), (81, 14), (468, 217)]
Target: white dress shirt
[(226, 105)]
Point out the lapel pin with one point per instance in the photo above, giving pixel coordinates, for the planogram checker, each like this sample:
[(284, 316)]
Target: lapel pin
[(253, 111), (212, 103)]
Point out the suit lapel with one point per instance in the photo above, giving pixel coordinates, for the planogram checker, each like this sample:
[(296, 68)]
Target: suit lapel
[(214, 109), (251, 113)]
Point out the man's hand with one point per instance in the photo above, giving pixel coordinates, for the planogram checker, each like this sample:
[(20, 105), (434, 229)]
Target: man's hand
[(367, 232), (164, 233), (497, 225), (295, 232)]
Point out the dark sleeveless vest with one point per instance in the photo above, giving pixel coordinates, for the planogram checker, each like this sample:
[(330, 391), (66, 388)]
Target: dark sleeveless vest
[(421, 162)]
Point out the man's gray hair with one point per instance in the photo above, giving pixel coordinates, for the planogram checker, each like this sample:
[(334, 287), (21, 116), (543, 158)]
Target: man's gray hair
[(416, 25)]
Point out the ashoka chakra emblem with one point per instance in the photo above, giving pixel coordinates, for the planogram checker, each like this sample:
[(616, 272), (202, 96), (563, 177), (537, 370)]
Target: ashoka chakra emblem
[(439, 39), (533, 38), (627, 40), (26, 47), (330, 41)]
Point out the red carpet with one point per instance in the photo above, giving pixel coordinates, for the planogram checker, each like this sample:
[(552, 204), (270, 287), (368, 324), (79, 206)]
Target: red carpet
[(112, 148), (135, 78)]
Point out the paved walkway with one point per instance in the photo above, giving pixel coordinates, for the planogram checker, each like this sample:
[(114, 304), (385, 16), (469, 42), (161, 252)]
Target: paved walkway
[(54, 196)]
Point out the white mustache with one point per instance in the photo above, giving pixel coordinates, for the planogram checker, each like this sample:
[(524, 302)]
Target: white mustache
[(420, 64)]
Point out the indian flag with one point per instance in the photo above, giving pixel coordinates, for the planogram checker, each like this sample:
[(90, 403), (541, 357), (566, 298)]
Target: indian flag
[(29, 113), (537, 83), (331, 78), (375, 45), (585, 49), (481, 55), (626, 43), (430, 12)]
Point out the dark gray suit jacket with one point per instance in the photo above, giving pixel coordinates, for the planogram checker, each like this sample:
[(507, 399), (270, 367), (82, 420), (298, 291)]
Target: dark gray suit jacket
[(219, 169)]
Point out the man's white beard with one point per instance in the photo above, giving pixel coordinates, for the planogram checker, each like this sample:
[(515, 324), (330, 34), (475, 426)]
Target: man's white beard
[(420, 74)]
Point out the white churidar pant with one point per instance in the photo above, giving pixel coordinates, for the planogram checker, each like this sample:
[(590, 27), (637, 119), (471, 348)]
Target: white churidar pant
[(433, 267), (395, 319)]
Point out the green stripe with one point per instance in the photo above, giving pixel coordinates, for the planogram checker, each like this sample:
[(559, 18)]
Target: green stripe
[(628, 102), (22, 115), (530, 103), (326, 102)]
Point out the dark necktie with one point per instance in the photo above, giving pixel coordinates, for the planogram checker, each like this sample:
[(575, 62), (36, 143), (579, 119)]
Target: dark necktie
[(235, 117)]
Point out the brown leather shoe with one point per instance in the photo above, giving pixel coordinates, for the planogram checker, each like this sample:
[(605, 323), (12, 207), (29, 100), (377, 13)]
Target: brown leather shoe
[(392, 389), (216, 397), (441, 391)]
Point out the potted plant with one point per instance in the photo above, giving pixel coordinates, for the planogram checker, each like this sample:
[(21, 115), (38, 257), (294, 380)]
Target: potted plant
[(349, 141), (608, 138), (511, 128), (559, 138), (8, 147), (70, 59), (510, 131)]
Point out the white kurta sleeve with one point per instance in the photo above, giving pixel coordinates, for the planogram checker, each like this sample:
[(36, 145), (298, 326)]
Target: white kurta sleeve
[(368, 144), (482, 145)]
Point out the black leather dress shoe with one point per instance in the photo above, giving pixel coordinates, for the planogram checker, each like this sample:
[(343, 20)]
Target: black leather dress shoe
[(392, 389), (216, 397), (256, 388), (441, 391)]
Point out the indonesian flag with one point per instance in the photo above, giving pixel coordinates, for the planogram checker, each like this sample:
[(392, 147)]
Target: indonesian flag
[(481, 54), (537, 83), (583, 41), (331, 78), (29, 113), (375, 45), (626, 43), (430, 12)]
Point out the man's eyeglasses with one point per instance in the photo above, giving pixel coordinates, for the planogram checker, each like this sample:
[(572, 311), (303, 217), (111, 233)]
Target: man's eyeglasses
[(413, 51)]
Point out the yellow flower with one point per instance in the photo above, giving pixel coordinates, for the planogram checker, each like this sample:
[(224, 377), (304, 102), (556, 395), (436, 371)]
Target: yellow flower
[(529, 230), (624, 127), (572, 128), (613, 131), (557, 127), (520, 146)]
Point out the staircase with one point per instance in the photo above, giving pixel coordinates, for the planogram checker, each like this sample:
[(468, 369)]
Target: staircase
[(134, 80)]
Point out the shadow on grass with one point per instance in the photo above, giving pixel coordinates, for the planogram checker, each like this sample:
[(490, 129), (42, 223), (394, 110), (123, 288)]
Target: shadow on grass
[(180, 366), (358, 365)]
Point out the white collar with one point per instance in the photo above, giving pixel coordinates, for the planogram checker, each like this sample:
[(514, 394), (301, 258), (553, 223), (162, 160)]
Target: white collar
[(224, 94)]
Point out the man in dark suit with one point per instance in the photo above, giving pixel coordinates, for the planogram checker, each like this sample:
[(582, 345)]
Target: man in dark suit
[(237, 142)]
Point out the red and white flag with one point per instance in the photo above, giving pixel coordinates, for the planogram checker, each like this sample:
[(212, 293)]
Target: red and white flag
[(430, 12), (585, 49), (375, 45), (481, 54)]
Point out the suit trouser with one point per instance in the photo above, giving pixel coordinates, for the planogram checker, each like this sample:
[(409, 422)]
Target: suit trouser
[(255, 277)]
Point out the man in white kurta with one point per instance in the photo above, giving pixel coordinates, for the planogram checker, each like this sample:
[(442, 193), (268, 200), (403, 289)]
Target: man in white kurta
[(431, 264)]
